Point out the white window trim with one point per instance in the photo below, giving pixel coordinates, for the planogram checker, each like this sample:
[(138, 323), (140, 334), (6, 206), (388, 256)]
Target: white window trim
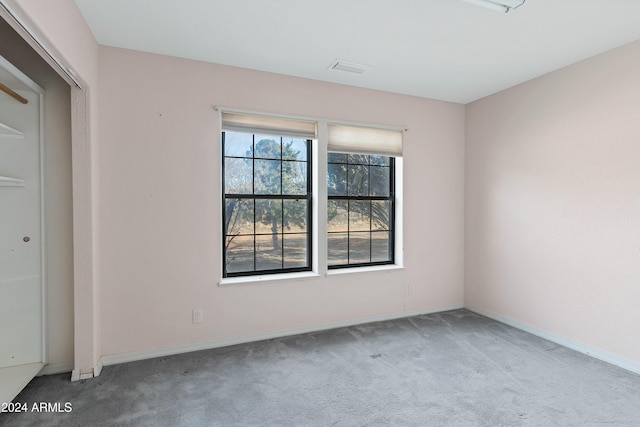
[(267, 278), (366, 269)]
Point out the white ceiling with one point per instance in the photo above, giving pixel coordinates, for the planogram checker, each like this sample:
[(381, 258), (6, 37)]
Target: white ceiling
[(442, 49)]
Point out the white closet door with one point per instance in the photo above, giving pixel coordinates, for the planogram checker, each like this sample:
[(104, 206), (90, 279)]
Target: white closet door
[(21, 335)]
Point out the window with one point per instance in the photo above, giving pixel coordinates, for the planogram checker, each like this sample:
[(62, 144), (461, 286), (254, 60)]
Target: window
[(361, 195), (267, 199), (360, 210), (268, 207)]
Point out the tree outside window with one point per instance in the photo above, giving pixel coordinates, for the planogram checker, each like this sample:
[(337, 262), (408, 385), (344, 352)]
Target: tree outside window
[(360, 210), (267, 205)]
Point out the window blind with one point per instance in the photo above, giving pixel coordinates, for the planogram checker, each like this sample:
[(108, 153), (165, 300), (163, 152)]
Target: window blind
[(364, 140), (240, 122)]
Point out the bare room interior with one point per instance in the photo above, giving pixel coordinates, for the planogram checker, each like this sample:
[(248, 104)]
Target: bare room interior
[(319, 213)]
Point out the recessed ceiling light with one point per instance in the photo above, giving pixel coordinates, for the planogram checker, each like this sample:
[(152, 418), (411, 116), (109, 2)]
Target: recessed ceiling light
[(349, 67)]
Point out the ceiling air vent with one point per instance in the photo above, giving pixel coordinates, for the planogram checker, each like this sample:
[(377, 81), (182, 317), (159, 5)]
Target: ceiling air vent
[(349, 67)]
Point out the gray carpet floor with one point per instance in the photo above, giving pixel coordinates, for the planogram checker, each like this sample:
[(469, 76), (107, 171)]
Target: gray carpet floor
[(448, 369)]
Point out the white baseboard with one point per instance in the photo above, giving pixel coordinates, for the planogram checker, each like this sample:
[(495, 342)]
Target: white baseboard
[(597, 353), (113, 359), (77, 376), (97, 370), (56, 368)]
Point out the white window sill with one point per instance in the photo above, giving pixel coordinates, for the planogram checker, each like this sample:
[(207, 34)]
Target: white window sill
[(247, 280), (376, 268)]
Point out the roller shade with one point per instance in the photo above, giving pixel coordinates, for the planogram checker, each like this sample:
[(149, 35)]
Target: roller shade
[(250, 123), (357, 139)]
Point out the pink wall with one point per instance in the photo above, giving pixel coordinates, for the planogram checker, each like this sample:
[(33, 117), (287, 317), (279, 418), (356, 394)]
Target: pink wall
[(553, 203), (160, 198), (63, 27)]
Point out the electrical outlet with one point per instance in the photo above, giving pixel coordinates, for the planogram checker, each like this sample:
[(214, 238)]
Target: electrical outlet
[(197, 316), (410, 290)]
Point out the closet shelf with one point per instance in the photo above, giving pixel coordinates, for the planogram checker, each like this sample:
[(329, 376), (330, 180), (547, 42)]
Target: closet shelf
[(9, 132), (6, 181)]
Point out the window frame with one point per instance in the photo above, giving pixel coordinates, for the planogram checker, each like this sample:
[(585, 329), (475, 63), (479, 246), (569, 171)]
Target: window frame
[(391, 221), (258, 196), (321, 140)]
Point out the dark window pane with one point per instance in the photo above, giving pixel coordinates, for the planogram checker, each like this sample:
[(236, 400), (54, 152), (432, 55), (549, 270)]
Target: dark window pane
[(359, 247), (380, 160), (238, 217), (294, 149), (380, 250), (268, 147), (268, 216), (359, 217), (358, 184), (267, 176), (336, 158), (359, 159), (238, 144), (238, 174), (295, 215), (337, 211), (269, 252), (380, 214), (295, 250), (337, 180), (379, 181), (239, 254), (294, 178), (337, 248)]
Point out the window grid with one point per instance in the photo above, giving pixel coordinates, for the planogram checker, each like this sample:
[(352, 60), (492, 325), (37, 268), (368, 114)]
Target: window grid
[(370, 198), (255, 197)]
